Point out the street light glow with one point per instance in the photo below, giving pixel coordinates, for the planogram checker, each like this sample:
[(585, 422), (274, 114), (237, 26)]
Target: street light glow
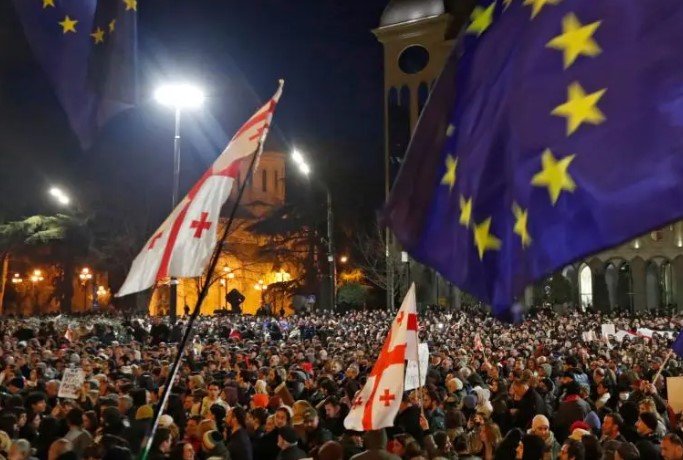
[(180, 96), (59, 195), (305, 169), (297, 157)]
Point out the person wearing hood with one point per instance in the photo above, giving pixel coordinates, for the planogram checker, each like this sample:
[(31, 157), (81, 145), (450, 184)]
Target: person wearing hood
[(376, 447), (571, 409), (540, 426)]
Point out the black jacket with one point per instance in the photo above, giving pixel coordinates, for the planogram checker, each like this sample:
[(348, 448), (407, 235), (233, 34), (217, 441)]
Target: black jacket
[(239, 445), (292, 453), (528, 407)]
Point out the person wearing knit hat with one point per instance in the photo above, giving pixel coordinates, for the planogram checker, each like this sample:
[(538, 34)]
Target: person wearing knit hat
[(287, 440), (578, 433), (646, 426), (540, 426), (214, 447), (144, 412), (165, 421)]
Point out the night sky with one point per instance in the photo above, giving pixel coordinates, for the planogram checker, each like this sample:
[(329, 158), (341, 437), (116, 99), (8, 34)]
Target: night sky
[(331, 107)]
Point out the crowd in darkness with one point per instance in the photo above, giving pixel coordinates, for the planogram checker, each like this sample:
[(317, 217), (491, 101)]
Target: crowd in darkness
[(255, 388)]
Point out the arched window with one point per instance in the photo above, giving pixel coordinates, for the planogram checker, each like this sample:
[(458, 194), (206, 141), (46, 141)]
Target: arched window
[(276, 179), (264, 180), (586, 286)]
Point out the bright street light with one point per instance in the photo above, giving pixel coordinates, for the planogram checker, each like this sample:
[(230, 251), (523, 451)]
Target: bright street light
[(305, 169), (297, 157), (59, 195), (343, 259), (180, 96)]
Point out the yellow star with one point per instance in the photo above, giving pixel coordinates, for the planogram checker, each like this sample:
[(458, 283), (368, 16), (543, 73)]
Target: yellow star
[(465, 211), (450, 175), (506, 4), (520, 228), (131, 5), (450, 130), (575, 39), (580, 107), (47, 3), (554, 175), (536, 5), (112, 25), (481, 19), (98, 35), (68, 25), (483, 238)]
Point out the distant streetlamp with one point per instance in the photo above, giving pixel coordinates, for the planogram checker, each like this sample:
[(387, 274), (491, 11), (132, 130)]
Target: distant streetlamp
[(178, 96), (85, 277), (305, 169), (36, 277), (344, 259), (17, 279)]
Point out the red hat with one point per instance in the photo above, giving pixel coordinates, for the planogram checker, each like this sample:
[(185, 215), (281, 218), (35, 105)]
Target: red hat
[(580, 424)]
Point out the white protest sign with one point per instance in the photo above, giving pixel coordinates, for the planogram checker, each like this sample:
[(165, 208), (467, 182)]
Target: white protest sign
[(607, 329), (674, 390), (72, 381), (412, 381), (588, 336)]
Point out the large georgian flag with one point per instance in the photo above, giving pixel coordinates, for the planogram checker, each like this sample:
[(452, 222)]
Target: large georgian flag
[(182, 245), (377, 404)]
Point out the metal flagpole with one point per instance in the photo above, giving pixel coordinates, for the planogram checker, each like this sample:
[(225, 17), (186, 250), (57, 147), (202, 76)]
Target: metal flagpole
[(149, 436)]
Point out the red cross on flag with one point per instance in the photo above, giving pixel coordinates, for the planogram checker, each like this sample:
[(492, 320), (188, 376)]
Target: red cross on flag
[(182, 245), (377, 404)]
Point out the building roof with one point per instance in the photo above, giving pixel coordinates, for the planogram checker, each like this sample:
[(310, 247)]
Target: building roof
[(398, 11)]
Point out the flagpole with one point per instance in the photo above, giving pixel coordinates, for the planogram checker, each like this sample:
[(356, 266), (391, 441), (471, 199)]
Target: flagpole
[(159, 410), (661, 368)]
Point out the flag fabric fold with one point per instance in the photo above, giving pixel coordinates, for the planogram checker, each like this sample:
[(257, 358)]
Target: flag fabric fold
[(377, 404), (88, 51), (183, 244), (555, 131), (677, 346)]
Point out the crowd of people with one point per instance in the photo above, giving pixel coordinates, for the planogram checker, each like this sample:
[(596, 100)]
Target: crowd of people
[(252, 388)]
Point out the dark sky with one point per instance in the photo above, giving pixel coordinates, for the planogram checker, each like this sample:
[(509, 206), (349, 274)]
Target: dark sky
[(331, 107)]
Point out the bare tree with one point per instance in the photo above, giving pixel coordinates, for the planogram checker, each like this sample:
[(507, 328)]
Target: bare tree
[(371, 245)]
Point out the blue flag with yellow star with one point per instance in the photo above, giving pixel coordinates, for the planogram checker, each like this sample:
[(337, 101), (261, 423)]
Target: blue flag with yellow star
[(87, 49), (554, 131)]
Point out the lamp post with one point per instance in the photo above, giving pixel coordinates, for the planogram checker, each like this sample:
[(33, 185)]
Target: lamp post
[(36, 277), (305, 169), (85, 277), (178, 96)]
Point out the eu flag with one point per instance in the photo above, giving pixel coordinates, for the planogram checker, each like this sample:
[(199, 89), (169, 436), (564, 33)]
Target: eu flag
[(555, 131), (677, 346), (87, 49)]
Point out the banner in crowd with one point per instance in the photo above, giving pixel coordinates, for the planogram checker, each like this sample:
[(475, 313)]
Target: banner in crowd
[(72, 381), (415, 379), (674, 388), (607, 329)]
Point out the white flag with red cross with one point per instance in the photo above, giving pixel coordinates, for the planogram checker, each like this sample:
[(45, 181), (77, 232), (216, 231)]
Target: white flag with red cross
[(377, 404), (182, 245)]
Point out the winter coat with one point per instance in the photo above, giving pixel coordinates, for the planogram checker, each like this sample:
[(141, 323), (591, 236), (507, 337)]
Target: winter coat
[(571, 409)]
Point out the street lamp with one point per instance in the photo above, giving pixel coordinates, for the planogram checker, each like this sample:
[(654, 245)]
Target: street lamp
[(85, 276), (178, 96), (60, 196), (36, 277), (305, 169), (344, 259)]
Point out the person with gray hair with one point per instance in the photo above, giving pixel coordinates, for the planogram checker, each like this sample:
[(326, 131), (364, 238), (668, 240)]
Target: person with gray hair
[(20, 450)]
